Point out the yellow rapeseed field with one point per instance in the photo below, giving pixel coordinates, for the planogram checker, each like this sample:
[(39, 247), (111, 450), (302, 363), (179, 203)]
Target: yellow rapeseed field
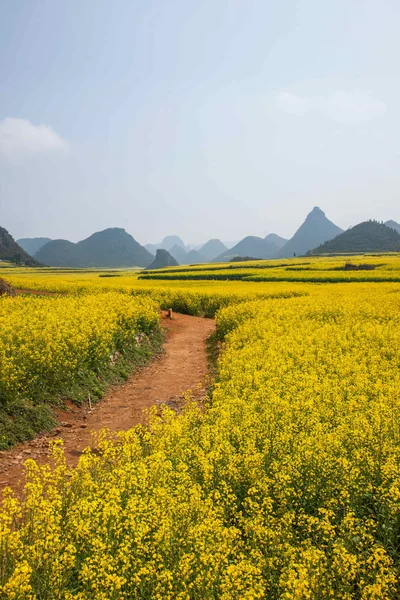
[(287, 486), (335, 269), (201, 298), (59, 347)]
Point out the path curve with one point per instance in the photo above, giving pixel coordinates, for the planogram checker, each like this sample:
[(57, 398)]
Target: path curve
[(182, 367)]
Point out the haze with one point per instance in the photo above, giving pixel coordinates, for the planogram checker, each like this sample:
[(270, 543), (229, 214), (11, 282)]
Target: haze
[(203, 119)]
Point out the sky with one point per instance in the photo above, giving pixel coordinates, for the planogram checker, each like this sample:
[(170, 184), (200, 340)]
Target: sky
[(219, 118)]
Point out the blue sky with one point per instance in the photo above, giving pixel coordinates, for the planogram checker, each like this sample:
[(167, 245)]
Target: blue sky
[(219, 118)]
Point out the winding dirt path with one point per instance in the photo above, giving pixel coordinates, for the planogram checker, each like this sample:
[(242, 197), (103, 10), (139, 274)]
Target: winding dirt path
[(183, 366)]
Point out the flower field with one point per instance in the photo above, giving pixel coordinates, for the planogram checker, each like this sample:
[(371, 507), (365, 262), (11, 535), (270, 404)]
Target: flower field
[(54, 348), (372, 268), (189, 297), (285, 487)]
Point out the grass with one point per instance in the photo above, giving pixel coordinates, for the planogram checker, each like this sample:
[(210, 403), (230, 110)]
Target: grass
[(22, 420)]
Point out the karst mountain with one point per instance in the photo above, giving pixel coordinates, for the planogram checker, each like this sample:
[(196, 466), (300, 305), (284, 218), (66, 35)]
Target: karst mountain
[(112, 247), (316, 230)]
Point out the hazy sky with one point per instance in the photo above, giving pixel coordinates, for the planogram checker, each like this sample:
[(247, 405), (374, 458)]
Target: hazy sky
[(218, 118)]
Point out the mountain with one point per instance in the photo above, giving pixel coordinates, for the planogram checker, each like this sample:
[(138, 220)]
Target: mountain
[(369, 236), (393, 225), (171, 240), (59, 253), (276, 240), (249, 246), (162, 259), (168, 242), (194, 257), (112, 247), (32, 245), (315, 230), (12, 252), (186, 258), (152, 248), (212, 249), (179, 254)]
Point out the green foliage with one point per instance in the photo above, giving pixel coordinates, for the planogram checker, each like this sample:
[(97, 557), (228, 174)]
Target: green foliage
[(12, 252), (370, 236), (243, 258), (21, 420), (54, 349)]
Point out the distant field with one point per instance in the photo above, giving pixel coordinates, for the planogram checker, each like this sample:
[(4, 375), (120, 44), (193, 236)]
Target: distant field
[(318, 270), (359, 268)]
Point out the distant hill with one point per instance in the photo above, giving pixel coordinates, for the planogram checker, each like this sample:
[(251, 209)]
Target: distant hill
[(276, 240), (178, 253), (33, 245), (184, 257), (12, 252), (194, 256), (212, 249), (163, 259), (167, 243), (369, 236), (112, 247), (152, 248), (315, 230), (249, 246), (170, 240), (393, 225), (59, 253), (190, 247)]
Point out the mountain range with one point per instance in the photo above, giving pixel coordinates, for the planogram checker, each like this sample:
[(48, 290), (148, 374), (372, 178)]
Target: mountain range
[(114, 247), (186, 255), (167, 243)]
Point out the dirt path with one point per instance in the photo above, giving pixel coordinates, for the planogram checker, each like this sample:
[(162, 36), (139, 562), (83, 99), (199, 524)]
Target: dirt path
[(182, 367)]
